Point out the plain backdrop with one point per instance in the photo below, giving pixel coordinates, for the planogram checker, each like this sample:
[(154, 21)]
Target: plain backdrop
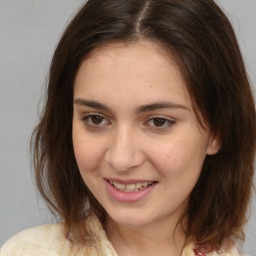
[(29, 31)]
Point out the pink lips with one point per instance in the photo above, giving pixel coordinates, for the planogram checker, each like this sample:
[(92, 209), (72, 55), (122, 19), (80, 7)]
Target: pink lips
[(122, 196)]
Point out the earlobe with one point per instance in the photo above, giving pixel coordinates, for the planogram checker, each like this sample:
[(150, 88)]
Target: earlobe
[(213, 145)]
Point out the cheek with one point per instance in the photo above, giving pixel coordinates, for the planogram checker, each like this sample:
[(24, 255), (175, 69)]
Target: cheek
[(88, 152), (88, 157), (85, 157), (180, 159)]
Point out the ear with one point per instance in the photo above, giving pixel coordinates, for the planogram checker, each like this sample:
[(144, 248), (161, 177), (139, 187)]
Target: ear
[(214, 144)]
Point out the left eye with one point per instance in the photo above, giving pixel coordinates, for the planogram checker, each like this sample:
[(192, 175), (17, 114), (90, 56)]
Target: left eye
[(159, 122)]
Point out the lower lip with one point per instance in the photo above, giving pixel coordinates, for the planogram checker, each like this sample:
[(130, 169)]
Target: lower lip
[(122, 196)]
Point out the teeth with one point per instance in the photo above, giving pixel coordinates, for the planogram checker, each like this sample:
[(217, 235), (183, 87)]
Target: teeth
[(139, 185), (144, 184), (131, 187), (119, 186)]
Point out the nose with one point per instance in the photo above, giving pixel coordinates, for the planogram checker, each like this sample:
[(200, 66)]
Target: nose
[(124, 152)]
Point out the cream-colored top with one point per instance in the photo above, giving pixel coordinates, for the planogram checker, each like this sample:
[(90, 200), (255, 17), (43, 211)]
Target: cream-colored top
[(50, 240)]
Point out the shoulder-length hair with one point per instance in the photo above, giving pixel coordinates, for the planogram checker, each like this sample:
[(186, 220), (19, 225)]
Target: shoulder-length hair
[(201, 38)]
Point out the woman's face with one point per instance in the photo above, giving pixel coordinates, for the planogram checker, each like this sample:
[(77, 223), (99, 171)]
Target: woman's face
[(137, 142)]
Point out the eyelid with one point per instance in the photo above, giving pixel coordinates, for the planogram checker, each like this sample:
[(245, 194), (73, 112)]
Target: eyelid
[(171, 121), (88, 115), (168, 121)]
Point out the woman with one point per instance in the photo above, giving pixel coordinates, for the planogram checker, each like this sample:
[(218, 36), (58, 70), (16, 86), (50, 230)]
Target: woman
[(146, 144)]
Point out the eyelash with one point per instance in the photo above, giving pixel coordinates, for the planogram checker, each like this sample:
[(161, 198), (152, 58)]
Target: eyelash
[(87, 119), (167, 122)]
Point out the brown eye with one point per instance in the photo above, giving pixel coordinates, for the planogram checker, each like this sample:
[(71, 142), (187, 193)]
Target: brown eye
[(96, 119), (159, 122)]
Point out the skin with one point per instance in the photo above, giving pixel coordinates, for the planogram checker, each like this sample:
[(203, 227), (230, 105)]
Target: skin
[(121, 142)]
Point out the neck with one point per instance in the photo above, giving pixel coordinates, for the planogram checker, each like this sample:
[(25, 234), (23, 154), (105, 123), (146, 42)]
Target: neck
[(161, 238)]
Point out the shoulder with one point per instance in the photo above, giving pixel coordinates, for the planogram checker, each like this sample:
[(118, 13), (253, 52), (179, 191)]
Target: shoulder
[(52, 240), (42, 240), (191, 250)]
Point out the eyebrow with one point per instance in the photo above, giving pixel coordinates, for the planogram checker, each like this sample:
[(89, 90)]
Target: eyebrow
[(160, 105), (140, 109), (91, 104)]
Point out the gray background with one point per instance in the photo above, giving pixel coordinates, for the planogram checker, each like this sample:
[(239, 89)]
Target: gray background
[(29, 31)]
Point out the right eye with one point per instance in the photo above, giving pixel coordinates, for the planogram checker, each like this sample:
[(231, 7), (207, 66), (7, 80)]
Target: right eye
[(95, 120)]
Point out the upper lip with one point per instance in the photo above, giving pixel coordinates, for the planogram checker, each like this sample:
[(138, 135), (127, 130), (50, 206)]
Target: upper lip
[(128, 181)]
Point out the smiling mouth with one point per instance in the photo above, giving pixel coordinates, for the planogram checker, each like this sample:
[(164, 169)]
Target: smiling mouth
[(133, 187)]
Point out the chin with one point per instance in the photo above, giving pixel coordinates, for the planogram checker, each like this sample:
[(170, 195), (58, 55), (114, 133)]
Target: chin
[(130, 219)]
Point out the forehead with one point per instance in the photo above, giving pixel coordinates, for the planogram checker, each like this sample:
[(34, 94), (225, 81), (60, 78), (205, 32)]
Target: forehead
[(132, 53), (138, 69), (136, 47)]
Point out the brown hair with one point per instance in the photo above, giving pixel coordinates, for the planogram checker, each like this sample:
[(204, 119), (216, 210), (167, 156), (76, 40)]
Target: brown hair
[(206, 49)]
